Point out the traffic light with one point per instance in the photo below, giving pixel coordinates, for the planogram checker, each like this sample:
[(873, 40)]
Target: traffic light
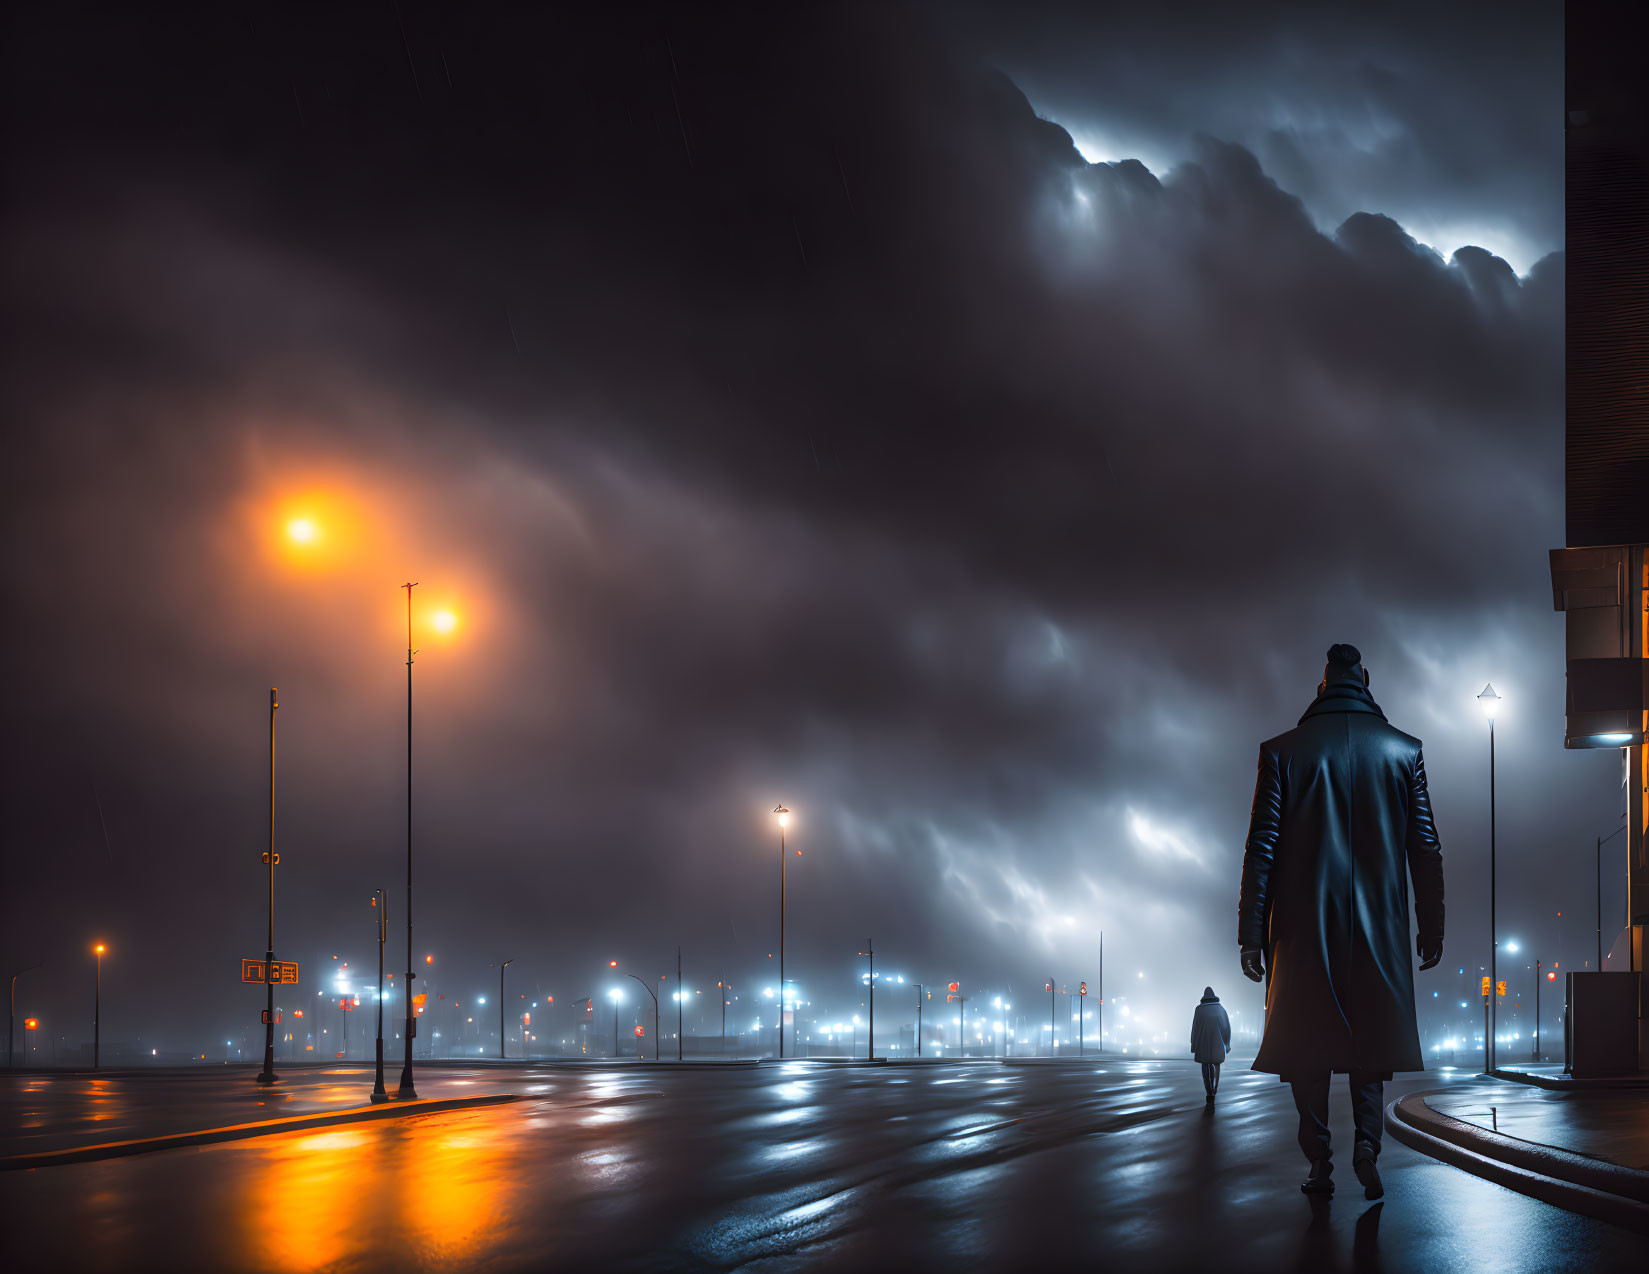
[(526, 1019), (1485, 988), (1550, 976), (1500, 988), (31, 1024), (1084, 990)]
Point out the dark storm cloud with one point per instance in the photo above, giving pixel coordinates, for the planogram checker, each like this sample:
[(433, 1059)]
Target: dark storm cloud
[(806, 419), (1431, 114)]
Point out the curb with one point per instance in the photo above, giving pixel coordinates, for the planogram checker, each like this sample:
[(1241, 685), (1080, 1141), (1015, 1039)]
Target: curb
[(1569, 1084), (1593, 1187), (241, 1132)]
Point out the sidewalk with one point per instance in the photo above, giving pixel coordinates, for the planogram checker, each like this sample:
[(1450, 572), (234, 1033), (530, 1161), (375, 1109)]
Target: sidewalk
[(1586, 1150)]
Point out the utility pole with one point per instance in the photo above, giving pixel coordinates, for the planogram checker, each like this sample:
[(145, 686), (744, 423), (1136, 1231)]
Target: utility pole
[(784, 864), (870, 1045), (678, 1003), (11, 1016), (267, 1074), (407, 1091), (379, 1092), (723, 988), (1053, 1026), (501, 969), (1537, 1010), (918, 1019)]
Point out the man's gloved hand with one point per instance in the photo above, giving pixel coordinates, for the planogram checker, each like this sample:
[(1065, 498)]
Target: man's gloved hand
[(1253, 965), (1429, 954)]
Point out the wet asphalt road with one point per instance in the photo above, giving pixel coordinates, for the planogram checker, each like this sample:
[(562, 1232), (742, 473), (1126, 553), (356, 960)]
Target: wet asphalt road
[(778, 1167)]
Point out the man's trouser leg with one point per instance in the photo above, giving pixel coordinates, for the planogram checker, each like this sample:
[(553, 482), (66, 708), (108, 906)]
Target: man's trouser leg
[(1366, 1094), (1311, 1100), (1210, 1078)]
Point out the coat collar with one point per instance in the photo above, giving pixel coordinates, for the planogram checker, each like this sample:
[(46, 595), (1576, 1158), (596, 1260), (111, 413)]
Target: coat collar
[(1343, 696)]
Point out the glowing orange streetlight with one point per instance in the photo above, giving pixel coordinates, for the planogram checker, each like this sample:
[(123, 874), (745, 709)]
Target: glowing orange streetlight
[(444, 621), (97, 1006), (302, 531)]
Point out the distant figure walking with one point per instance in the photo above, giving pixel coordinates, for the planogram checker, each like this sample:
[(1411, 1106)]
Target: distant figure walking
[(1210, 1039), (1341, 824)]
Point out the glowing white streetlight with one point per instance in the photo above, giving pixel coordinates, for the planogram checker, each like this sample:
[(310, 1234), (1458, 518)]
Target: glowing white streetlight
[(1488, 701)]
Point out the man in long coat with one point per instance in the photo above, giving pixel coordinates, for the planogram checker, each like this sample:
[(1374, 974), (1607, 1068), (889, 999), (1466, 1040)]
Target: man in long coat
[(1341, 823)]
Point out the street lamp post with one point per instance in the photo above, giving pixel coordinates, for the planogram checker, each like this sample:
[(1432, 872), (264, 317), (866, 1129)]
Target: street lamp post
[(870, 981), (407, 1091), (1102, 992), (11, 1016), (678, 1004), (1537, 1010), (654, 994), (918, 1019), (1490, 702), (723, 988), (267, 1074), (97, 1010), (379, 1092), (784, 867), (501, 969), (1053, 1027)]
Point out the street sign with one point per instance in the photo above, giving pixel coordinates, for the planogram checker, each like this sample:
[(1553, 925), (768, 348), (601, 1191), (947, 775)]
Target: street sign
[(1500, 988), (282, 971), (1485, 988), (266, 1016), (346, 1004)]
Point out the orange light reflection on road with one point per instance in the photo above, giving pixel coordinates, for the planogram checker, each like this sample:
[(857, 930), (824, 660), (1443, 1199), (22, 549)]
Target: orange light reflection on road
[(458, 1189), (309, 1174)]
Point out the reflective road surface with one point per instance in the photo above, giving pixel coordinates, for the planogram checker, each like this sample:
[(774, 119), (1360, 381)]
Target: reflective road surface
[(1102, 1165)]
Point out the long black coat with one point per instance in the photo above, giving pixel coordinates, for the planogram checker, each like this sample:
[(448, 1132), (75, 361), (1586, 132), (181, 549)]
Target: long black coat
[(1341, 821)]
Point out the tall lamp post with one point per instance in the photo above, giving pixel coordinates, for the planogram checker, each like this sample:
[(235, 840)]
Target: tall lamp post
[(407, 1091), (654, 994), (11, 1015), (501, 969), (918, 1019), (1490, 702), (379, 1092), (783, 816), (870, 981), (97, 1009), (679, 994), (270, 857)]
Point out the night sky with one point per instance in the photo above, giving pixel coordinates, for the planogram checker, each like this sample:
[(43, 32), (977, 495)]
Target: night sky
[(969, 429)]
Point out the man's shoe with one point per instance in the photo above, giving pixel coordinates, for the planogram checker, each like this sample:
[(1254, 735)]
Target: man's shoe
[(1210, 1099), (1369, 1175), (1321, 1180)]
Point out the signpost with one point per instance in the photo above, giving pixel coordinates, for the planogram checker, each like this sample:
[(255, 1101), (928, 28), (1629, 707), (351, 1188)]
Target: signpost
[(283, 972)]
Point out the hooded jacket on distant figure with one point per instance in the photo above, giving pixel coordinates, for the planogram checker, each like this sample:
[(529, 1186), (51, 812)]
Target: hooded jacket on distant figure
[(1210, 1030), (1341, 823)]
